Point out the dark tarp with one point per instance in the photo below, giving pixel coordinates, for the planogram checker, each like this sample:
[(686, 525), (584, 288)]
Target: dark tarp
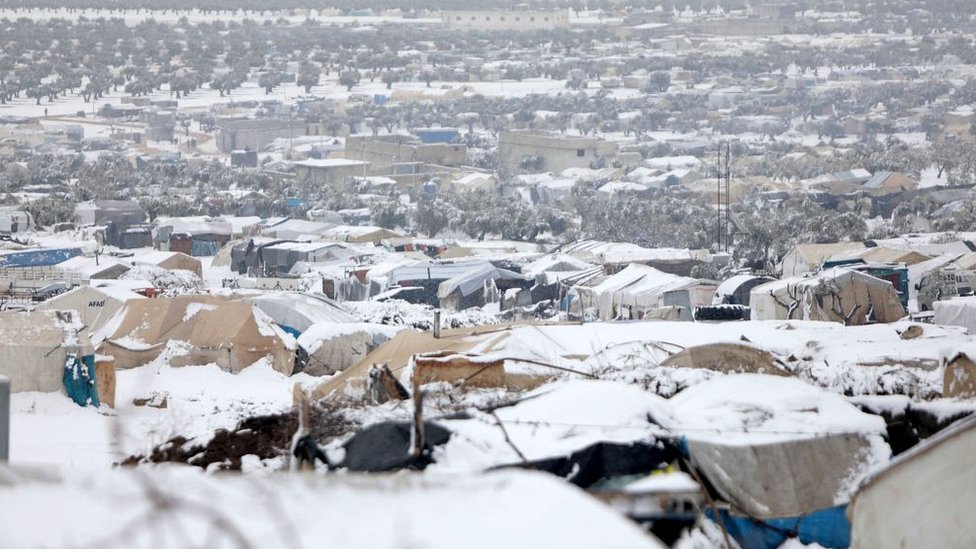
[(827, 527), (603, 460), (79, 380), (386, 447)]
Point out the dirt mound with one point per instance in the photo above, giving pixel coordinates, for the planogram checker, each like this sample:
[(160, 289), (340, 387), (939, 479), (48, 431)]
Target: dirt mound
[(266, 437)]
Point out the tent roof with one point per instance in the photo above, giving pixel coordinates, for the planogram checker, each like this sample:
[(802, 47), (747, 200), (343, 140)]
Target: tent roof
[(202, 320), (473, 280)]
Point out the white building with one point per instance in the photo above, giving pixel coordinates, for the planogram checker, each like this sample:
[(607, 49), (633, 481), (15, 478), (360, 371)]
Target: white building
[(505, 20)]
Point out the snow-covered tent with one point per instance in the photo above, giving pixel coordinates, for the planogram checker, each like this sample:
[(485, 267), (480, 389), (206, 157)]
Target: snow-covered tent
[(805, 258), (497, 341), (923, 498), (95, 306), (357, 233), (635, 291), (201, 329), (468, 289), (295, 312), (736, 290), (726, 358), (958, 311), (89, 268), (786, 455), (35, 349), (334, 347), (170, 261), (836, 295)]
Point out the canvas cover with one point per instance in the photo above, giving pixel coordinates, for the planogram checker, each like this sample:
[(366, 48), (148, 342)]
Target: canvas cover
[(36, 347), (834, 295), (636, 287), (788, 478), (296, 312), (777, 447), (335, 347), (959, 377), (215, 329), (958, 311), (398, 351), (726, 358), (923, 498), (170, 261), (95, 306)]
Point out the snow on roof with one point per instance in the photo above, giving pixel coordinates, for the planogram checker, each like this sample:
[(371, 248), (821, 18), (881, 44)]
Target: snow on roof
[(329, 162), (313, 336), (117, 293), (672, 162), (756, 408), (555, 263), (197, 225), (622, 252), (550, 422), (89, 266), (423, 270), (730, 285)]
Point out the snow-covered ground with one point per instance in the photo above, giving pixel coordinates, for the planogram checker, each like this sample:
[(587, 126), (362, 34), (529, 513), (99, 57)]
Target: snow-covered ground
[(48, 428), (178, 507)]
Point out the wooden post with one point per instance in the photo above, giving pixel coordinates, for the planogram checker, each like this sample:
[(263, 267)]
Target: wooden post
[(419, 439), (4, 419), (437, 323)]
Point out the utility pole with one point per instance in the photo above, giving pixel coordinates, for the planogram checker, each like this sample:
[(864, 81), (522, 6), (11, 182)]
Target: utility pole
[(723, 197)]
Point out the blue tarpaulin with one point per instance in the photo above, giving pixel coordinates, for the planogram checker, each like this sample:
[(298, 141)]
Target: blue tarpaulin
[(42, 257), (79, 380), (828, 527), (203, 248)]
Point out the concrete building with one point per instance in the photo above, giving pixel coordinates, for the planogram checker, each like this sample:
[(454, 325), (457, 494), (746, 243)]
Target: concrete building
[(532, 152), (255, 134), (331, 171), (103, 212), (505, 20), (386, 151)]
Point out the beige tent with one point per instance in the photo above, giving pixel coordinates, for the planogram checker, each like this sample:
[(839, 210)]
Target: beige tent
[(218, 330), (171, 261), (834, 295), (398, 352), (95, 306), (923, 498), (804, 258), (880, 254), (35, 349), (726, 358), (959, 377)]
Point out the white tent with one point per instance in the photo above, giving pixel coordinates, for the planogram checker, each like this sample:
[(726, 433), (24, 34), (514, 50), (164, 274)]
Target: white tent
[(333, 347), (835, 295), (95, 306), (636, 289), (35, 349), (776, 446), (923, 498), (297, 312), (958, 311)]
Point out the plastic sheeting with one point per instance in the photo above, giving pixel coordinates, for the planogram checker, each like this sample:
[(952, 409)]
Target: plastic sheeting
[(38, 258), (387, 447), (296, 312), (605, 460), (924, 498), (826, 527), (959, 311), (79, 380)]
